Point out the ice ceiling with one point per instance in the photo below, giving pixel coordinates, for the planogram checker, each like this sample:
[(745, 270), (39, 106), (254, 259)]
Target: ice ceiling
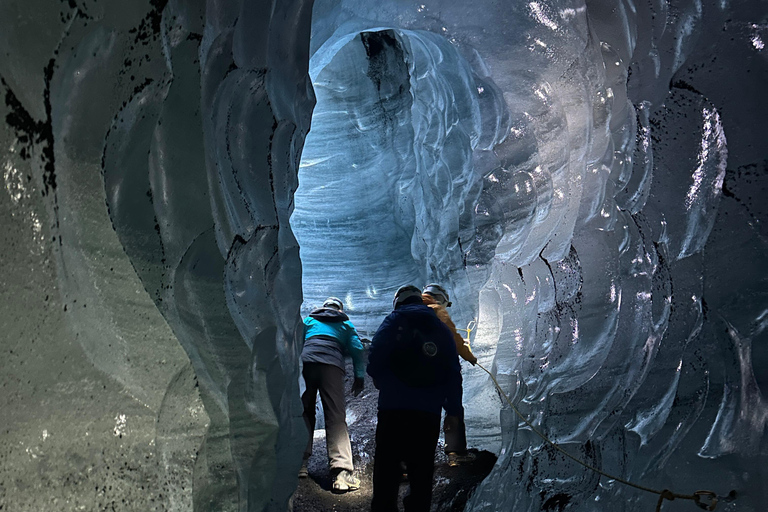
[(588, 178)]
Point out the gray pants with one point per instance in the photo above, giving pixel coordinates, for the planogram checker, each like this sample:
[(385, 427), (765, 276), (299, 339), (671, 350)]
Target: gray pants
[(329, 381)]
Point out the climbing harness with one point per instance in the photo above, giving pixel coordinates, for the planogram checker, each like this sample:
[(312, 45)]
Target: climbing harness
[(706, 500)]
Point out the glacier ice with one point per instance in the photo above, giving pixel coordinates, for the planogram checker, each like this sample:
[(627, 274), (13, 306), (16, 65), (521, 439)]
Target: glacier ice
[(183, 178)]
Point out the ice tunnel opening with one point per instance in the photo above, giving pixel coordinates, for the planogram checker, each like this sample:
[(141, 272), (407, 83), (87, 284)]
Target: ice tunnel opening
[(356, 154), (387, 184)]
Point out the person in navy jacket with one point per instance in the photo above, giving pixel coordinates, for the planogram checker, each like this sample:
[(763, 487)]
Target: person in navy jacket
[(414, 364)]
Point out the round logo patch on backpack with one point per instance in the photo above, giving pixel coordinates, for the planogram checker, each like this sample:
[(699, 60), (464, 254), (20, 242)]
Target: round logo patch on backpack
[(429, 349), (417, 360)]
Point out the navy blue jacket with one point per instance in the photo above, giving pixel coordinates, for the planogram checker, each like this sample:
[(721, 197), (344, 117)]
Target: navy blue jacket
[(414, 363)]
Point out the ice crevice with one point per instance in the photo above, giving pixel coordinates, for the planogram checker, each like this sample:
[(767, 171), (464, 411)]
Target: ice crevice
[(184, 179)]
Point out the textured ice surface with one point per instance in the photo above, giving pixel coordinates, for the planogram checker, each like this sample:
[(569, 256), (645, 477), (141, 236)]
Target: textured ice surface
[(582, 237), (586, 178)]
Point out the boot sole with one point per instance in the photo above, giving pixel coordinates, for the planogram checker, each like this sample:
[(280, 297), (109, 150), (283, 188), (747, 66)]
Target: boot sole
[(337, 490), (344, 488)]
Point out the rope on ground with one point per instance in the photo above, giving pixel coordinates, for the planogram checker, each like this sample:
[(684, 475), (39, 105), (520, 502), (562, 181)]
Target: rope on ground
[(706, 500)]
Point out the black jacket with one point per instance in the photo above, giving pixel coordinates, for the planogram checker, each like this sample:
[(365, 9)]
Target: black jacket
[(414, 364)]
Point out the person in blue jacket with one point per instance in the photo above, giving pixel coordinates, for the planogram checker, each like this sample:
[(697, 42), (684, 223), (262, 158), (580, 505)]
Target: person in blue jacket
[(414, 364), (329, 336)]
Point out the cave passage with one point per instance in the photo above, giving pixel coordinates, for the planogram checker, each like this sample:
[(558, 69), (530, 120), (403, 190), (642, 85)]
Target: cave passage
[(353, 223), (355, 218), (587, 179)]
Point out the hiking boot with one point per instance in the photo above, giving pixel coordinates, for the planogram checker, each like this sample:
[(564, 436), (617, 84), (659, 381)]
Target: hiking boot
[(345, 481), (303, 472), (458, 459)]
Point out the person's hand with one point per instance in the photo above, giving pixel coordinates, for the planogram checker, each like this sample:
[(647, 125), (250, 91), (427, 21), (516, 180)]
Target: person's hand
[(473, 359), (357, 386)]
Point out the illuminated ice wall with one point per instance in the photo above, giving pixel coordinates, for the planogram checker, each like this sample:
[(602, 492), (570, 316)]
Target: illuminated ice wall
[(586, 178)]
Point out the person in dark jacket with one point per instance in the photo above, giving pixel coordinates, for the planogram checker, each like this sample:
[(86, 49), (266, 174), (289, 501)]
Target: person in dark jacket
[(329, 336), (414, 364)]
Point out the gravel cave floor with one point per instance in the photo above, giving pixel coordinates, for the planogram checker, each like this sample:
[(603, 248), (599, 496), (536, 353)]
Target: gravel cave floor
[(452, 486)]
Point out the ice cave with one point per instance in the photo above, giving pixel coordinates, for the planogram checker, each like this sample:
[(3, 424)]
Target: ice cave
[(184, 179)]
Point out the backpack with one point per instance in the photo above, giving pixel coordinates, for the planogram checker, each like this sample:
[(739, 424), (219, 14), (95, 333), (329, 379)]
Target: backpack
[(416, 359)]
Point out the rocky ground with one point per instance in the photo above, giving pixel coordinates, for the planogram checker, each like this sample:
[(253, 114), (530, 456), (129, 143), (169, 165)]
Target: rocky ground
[(452, 485)]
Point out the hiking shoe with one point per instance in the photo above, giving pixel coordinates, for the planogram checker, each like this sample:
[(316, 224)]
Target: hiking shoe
[(457, 459), (303, 472), (345, 481)]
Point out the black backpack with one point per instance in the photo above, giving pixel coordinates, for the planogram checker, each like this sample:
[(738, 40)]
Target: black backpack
[(416, 359)]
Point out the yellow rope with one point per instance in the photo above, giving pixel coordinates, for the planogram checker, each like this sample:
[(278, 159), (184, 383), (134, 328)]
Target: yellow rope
[(469, 329), (663, 494)]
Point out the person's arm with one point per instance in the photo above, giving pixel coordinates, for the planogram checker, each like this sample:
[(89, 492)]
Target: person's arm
[(304, 326), (378, 354), (465, 351), (453, 406), (355, 350), (462, 345)]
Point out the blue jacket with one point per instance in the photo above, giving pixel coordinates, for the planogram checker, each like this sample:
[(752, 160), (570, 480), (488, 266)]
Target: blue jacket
[(328, 337), (414, 363)]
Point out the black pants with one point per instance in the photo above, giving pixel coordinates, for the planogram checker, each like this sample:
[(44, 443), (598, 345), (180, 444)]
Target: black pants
[(455, 434), (409, 437)]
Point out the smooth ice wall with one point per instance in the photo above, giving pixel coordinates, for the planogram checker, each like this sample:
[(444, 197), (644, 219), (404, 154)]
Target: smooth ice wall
[(644, 338), (161, 158)]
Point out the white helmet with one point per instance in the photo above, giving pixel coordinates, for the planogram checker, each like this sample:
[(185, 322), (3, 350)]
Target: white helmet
[(404, 293), (333, 302), (439, 293)]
